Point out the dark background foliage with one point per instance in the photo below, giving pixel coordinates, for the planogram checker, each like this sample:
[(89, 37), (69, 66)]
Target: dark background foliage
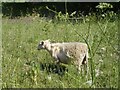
[(82, 8)]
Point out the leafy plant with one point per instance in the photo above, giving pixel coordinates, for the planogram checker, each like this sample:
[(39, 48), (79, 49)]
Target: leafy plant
[(103, 9)]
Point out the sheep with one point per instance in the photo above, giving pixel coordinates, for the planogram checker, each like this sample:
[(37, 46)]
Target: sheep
[(67, 52)]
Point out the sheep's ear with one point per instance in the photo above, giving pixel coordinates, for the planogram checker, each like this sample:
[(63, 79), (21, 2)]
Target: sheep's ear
[(42, 42)]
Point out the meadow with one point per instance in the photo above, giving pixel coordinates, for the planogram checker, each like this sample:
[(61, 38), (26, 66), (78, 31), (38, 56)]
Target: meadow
[(23, 66)]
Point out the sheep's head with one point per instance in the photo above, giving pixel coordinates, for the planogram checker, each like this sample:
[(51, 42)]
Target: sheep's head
[(44, 44)]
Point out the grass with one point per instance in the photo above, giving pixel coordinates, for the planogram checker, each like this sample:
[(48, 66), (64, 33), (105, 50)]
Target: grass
[(23, 66)]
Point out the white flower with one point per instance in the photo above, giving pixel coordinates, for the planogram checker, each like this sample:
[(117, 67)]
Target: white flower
[(89, 82), (103, 48), (103, 15), (98, 72), (49, 77), (101, 60), (111, 54)]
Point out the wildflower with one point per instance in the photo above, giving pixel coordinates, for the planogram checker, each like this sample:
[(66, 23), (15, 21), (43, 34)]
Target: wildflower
[(49, 77), (103, 49), (101, 60), (97, 72), (89, 82), (111, 54)]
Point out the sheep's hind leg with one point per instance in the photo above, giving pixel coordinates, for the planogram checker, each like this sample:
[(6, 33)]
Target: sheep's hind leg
[(79, 67)]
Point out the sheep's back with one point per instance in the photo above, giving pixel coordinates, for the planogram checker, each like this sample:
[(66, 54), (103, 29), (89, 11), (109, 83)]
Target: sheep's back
[(74, 49)]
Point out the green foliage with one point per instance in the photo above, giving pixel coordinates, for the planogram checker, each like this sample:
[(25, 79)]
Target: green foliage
[(104, 5), (60, 10), (105, 12), (60, 16)]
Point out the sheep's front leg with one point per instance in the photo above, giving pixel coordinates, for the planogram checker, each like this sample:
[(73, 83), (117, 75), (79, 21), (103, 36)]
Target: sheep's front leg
[(57, 61), (54, 55)]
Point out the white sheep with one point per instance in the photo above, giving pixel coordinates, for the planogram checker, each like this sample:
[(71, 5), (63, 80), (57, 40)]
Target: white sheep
[(67, 52)]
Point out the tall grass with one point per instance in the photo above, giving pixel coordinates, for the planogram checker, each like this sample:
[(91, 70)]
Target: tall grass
[(24, 66), (0, 52)]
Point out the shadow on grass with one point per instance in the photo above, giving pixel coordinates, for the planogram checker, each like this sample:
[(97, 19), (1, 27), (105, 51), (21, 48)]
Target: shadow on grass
[(53, 68), (48, 67)]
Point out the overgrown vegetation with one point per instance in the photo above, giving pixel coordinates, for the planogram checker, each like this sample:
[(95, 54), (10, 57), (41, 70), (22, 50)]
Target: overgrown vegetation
[(24, 66)]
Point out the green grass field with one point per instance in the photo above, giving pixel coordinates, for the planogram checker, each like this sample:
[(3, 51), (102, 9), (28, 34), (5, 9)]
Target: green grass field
[(23, 66)]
